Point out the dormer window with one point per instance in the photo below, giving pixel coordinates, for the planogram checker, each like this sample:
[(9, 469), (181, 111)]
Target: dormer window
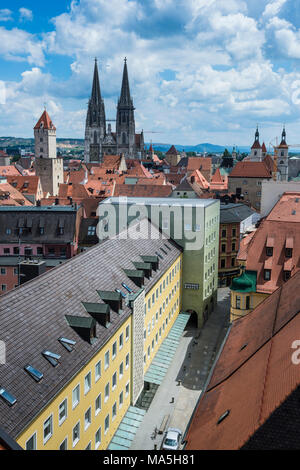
[(288, 252), (269, 251)]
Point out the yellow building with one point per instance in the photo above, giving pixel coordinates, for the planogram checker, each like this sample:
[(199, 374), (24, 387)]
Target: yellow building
[(244, 297), (89, 330)]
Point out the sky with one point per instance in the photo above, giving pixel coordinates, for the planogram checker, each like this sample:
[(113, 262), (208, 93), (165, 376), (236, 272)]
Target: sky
[(199, 70)]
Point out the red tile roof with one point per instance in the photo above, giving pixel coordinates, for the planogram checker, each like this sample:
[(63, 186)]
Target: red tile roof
[(256, 145), (45, 121), (9, 170), (172, 151), (253, 375), (199, 163), (142, 190), (25, 184), (248, 169), (264, 148)]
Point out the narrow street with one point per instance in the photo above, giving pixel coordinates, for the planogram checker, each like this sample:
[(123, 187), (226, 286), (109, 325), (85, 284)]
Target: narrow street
[(177, 396)]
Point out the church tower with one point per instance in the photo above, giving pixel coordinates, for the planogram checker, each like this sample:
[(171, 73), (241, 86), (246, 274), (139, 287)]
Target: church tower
[(125, 123), (47, 166), (256, 150), (282, 158), (95, 129)]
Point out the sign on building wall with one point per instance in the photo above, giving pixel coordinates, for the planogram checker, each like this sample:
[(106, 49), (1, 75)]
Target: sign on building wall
[(191, 286)]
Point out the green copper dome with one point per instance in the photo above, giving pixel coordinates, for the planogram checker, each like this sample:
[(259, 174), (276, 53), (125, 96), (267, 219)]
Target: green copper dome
[(245, 283)]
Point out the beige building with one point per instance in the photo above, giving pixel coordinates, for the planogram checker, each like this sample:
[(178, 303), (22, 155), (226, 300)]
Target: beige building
[(246, 180)]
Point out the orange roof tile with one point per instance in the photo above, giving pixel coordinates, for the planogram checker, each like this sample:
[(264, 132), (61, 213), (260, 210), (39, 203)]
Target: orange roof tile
[(9, 170), (248, 169), (142, 190), (253, 375), (45, 121)]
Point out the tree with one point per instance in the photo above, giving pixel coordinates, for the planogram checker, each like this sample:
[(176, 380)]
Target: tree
[(227, 160)]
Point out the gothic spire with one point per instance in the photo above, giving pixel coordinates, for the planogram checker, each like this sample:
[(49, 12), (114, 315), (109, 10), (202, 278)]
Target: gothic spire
[(96, 92), (125, 98)]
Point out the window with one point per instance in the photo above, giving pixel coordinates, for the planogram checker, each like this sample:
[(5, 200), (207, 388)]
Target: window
[(97, 371), (223, 262), (287, 275), (233, 247), (127, 389), (121, 399), (223, 233), (91, 231), (127, 361), (62, 412), (6, 251), (223, 249), (87, 383), (76, 434), (234, 232), (148, 351), (87, 418), (121, 341), (269, 251), (98, 404), (149, 328), (127, 332), (121, 370), (248, 302), (16, 250), (89, 446), (114, 381), (106, 424), (3, 271), (48, 429), (64, 444), (114, 350), (114, 411), (267, 274), (8, 231), (149, 304), (238, 302), (75, 396), (106, 360), (31, 443), (232, 262), (145, 334), (288, 252), (98, 438), (106, 392)]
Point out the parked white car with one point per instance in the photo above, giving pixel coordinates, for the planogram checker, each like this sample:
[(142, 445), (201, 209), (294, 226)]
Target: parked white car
[(172, 439)]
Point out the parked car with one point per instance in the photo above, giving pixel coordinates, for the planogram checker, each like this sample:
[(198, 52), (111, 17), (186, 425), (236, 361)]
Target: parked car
[(172, 439)]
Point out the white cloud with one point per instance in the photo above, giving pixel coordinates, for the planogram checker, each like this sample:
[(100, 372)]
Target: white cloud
[(5, 14), (19, 45), (273, 8), (25, 14)]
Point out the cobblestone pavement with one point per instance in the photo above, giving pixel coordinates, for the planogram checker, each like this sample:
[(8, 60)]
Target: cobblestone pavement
[(191, 365)]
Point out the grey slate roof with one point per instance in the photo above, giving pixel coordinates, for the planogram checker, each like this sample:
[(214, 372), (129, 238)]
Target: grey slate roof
[(32, 319), (230, 213), (48, 217)]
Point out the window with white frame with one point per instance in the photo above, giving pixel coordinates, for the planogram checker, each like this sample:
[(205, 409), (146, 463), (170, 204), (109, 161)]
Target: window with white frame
[(31, 443), (127, 361), (114, 381), (48, 429), (62, 411), (98, 438), (87, 418), (106, 392), (76, 433), (98, 404), (121, 341), (106, 424), (121, 370), (75, 396), (114, 411), (114, 350), (106, 360), (127, 389), (127, 332), (97, 371), (121, 399), (87, 383)]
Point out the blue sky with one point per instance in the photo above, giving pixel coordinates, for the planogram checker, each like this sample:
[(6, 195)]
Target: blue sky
[(200, 70)]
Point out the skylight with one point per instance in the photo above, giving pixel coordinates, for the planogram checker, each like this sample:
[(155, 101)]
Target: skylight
[(164, 251), (127, 288), (34, 373), (159, 255), (120, 292), (52, 357), (67, 343), (10, 399), (223, 416), (167, 246)]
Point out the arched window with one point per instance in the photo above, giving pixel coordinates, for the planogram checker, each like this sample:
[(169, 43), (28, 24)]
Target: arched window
[(95, 137), (123, 138), (282, 162)]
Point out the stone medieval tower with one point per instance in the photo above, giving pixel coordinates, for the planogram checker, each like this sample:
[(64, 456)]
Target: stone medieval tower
[(47, 166)]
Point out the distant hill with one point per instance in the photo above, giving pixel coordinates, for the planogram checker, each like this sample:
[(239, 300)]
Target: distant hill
[(200, 148)]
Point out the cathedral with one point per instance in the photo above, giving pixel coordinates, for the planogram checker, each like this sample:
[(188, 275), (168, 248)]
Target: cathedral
[(99, 138)]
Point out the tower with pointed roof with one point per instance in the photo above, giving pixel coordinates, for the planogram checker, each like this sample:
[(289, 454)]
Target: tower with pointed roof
[(125, 123), (256, 149), (95, 128), (47, 166), (282, 157)]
